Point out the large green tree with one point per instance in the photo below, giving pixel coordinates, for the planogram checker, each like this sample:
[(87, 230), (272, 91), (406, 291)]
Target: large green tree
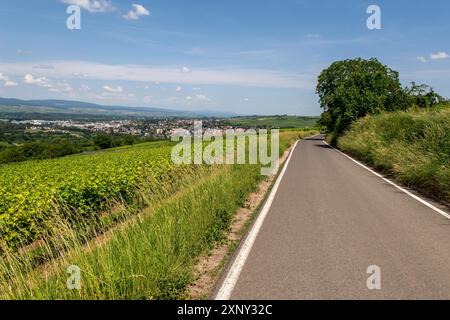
[(351, 89)]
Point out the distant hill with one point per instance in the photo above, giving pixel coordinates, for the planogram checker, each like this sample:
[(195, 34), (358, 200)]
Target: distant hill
[(16, 108)]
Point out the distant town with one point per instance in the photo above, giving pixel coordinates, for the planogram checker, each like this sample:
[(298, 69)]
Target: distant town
[(161, 128)]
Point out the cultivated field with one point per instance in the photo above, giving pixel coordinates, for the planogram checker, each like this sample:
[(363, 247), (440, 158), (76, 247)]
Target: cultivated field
[(273, 121), (76, 187), (133, 222)]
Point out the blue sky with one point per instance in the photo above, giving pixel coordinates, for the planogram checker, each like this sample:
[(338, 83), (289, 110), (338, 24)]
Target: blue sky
[(243, 56)]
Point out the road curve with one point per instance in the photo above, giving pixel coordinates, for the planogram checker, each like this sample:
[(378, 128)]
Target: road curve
[(329, 221)]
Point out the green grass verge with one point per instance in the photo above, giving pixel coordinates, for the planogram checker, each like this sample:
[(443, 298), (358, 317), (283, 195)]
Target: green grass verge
[(412, 146)]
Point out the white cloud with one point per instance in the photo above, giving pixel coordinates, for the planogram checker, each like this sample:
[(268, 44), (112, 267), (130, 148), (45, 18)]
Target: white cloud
[(439, 56), (117, 89), (198, 97), (136, 12), (42, 81), (65, 87), (92, 5), (422, 59), (186, 70), (148, 74), (117, 92), (43, 66), (10, 83), (61, 86), (178, 89), (23, 52), (80, 75), (202, 97), (7, 82)]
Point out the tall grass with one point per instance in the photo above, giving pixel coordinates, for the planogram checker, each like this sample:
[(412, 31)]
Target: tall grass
[(412, 146), (148, 256)]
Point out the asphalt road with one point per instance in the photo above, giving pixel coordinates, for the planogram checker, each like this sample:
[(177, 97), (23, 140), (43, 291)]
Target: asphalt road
[(330, 220)]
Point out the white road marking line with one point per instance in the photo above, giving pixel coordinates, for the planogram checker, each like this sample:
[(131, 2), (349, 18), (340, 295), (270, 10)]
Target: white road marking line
[(232, 277), (426, 203)]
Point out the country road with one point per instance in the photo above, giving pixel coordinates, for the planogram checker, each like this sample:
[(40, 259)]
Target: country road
[(330, 220)]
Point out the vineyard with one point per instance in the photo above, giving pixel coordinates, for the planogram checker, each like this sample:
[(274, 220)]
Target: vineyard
[(167, 216), (77, 186)]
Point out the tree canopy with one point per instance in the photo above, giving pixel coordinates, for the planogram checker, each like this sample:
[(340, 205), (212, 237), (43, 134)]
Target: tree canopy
[(353, 88), (423, 96), (350, 89)]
